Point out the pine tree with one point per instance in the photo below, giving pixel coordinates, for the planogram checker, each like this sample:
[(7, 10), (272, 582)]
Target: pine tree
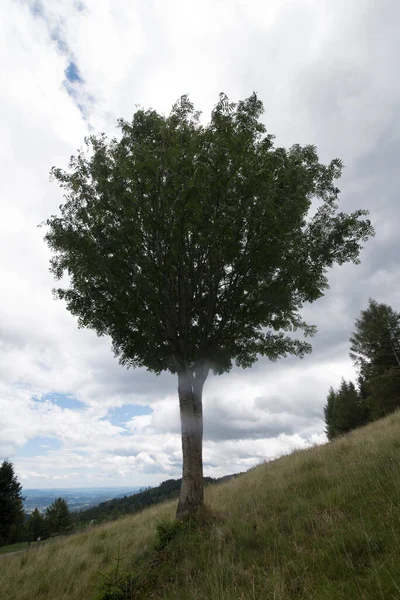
[(330, 410), (58, 517), (11, 507), (375, 344), (375, 349), (36, 525), (384, 392), (345, 410)]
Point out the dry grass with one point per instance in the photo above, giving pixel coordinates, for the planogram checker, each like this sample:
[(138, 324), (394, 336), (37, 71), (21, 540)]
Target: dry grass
[(68, 568), (321, 524)]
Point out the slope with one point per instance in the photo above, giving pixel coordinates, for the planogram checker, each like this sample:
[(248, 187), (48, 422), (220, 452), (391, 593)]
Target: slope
[(320, 524), (129, 504)]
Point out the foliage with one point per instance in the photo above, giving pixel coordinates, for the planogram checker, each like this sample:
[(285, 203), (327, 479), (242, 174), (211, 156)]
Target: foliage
[(116, 583), (375, 349), (166, 530), (191, 247), (58, 517), (187, 242), (384, 392), (345, 410), (375, 344), (37, 526), (11, 507)]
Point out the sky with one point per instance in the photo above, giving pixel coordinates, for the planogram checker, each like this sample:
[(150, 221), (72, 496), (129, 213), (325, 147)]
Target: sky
[(326, 71)]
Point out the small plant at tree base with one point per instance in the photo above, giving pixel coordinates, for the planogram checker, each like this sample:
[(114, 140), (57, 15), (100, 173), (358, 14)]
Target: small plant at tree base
[(116, 583), (166, 531)]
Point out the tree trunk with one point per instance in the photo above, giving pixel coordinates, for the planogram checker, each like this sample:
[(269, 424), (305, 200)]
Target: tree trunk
[(190, 390)]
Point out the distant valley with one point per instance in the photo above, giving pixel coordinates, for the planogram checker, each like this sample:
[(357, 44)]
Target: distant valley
[(77, 499)]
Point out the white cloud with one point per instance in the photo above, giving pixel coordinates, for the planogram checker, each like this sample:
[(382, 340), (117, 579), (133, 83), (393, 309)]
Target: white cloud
[(326, 73)]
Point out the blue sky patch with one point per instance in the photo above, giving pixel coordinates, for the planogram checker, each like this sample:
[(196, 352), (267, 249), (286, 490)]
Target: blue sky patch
[(73, 82), (120, 415), (61, 44), (62, 400), (39, 446), (72, 73)]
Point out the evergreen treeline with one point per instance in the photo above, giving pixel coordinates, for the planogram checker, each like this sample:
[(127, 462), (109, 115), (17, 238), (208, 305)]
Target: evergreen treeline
[(375, 350), (15, 524), (57, 519)]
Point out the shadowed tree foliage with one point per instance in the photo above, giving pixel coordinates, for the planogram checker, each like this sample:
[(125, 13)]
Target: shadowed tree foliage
[(58, 517), (190, 246), (384, 392), (345, 410), (375, 349), (375, 344), (11, 504), (36, 525)]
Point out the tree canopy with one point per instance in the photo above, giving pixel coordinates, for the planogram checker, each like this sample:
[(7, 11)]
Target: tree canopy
[(185, 241), (375, 349), (58, 517), (375, 343), (345, 410), (36, 526)]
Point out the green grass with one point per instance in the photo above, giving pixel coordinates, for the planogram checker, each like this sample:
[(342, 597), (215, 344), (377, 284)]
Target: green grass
[(13, 547), (320, 524)]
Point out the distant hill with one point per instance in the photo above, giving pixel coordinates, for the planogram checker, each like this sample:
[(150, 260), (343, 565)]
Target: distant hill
[(132, 503), (76, 498)]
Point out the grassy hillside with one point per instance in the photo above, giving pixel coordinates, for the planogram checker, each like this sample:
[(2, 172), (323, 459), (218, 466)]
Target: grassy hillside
[(167, 490), (321, 524)]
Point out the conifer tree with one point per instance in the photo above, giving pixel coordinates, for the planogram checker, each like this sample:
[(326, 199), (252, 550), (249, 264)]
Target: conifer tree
[(375, 349), (58, 517), (345, 410), (375, 343), (11, 504), (36, 525), (384, 392)]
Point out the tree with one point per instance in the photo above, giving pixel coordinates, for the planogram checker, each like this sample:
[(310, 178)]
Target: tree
[(384, 392), (11, 504), (345, 410), (36, 525), (58, 517), (190, 246), (330, 410), (375, 349), (375, 344)]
